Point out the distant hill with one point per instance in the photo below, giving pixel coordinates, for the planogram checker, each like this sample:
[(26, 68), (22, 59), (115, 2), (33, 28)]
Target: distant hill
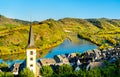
[(103, 32), (48, 33), (10, 23)]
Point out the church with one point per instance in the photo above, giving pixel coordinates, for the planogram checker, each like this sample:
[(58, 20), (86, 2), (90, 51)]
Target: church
[(31, 53), (30, 61)]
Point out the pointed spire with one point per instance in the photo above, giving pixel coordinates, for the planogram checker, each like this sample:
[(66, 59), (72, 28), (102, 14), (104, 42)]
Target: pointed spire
[(31, 38)]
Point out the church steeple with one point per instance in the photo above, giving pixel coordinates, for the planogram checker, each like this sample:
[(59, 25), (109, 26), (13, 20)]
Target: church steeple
[(31, 38), (31, 52)]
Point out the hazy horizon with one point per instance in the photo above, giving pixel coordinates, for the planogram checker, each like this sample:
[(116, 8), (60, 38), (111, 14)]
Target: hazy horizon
[(30, 19)]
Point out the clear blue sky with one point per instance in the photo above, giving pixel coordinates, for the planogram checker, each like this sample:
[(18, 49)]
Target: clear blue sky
[(57, 9)]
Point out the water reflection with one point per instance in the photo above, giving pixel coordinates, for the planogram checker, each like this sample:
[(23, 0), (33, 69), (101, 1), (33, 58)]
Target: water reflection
[(78, 45), (69, 47)]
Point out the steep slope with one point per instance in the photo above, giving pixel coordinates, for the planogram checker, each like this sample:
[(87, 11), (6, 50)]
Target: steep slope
[(13, 36), (14, 40), (103, 32), (114, 22)]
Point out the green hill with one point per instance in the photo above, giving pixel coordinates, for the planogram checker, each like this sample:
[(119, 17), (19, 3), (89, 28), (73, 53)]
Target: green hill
[(14, 33), (14, 39)]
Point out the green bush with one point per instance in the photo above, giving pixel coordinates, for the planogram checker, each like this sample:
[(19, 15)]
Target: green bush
[(26, 73)]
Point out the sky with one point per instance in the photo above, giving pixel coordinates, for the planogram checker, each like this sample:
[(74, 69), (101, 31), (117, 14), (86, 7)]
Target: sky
[(40, 10)]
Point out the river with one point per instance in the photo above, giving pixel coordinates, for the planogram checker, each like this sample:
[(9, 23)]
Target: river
[(71, 47), (77, 45)]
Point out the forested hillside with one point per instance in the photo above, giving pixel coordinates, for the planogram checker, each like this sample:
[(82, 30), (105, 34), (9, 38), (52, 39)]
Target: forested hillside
[(48, 33)]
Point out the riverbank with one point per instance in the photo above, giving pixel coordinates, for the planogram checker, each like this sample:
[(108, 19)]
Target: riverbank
[(22, 55), (102, 44), (61, 47)]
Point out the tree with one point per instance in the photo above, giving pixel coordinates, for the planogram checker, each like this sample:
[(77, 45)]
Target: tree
[(109, 71), (94, 73), (8, 74), (4, 66), (64, 69), (1, 74), (26, 73), (82, 73), (46, 71)]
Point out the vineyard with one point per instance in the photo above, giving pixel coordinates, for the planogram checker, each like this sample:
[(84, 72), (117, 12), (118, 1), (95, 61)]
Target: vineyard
[(48, 33)]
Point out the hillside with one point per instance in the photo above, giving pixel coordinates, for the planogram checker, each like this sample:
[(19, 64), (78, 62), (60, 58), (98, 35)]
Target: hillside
[(103, 32), (14, 39), (14, 33)]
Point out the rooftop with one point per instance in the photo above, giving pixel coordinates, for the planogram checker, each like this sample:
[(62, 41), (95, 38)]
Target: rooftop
[(47, 61)]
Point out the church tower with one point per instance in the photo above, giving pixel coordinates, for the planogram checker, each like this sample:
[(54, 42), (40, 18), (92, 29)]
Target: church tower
[(31, 52)]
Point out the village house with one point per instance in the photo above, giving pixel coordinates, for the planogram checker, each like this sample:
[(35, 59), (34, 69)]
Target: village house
[(15, 69), (47, 61), (96, 64), (72, 55), (97, 53), (61, 59), (88, 60)]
